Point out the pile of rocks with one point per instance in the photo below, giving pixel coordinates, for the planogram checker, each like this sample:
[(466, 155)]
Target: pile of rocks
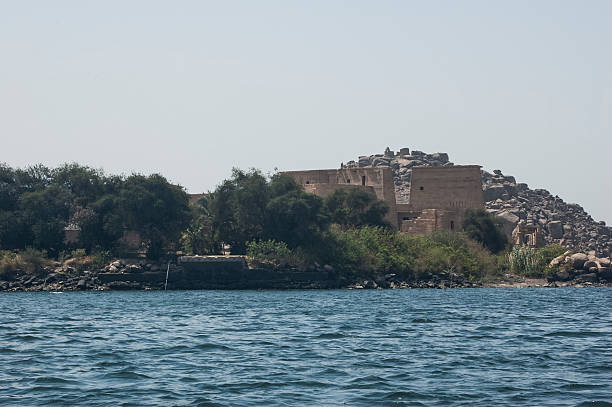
[(444, 279), (123, 266), (69, 278), (582, 267), (561, 223), (59, 279), (401, 164)]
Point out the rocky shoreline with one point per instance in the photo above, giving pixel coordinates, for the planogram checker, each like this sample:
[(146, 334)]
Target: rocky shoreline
[(140, 275)]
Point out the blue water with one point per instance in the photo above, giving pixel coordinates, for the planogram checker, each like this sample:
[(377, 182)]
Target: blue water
[(464, 347)]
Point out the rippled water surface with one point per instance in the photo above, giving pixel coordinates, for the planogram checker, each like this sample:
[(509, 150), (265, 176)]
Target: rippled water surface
[(476, 347)]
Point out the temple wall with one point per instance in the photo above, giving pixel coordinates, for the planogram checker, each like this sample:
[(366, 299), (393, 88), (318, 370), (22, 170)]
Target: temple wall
[(454, 187)]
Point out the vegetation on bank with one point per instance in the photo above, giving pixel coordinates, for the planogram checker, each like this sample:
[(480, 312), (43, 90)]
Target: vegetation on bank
[(271, 219), (38, 202), (533, 262)]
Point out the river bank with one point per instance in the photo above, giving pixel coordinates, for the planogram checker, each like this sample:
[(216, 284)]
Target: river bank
[(232, 273)]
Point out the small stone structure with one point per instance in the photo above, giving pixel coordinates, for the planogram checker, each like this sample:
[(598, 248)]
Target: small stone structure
[(72, 233), (529, 235)]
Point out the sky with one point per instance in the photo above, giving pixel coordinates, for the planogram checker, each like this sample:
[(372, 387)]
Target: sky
[(190, 89)]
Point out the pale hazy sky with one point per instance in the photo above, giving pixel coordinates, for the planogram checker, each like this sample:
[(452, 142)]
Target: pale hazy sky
[(191, 89)]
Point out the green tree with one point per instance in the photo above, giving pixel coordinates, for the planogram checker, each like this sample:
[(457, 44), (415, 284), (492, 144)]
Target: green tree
[(356, 208), (250, 207), (238, 207), (47, 212), (14, 231), (481, 226), (296, 218), (158, 210), (199, 237), (86, 184)]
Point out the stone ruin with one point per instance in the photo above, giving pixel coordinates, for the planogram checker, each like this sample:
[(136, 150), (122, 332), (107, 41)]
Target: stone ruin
[(560, 222), (528, 235), (439, 202)]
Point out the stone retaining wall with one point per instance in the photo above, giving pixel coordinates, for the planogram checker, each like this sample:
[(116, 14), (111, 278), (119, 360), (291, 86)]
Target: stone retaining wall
[(226, 276)]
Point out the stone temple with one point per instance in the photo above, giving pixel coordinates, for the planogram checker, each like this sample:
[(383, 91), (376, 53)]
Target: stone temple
[(439, 196)]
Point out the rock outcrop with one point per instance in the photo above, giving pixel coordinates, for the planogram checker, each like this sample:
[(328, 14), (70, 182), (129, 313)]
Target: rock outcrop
[(581, 268), (562, 223)]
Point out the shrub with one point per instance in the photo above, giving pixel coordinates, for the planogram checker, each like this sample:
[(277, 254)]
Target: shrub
[(75, 254), (467, 256), (33, 260), (8, 265), (272, 255), (532, 262), (370, 251), (79, 260), (198, 238), (28, 261), (100, 258), (550, 252)]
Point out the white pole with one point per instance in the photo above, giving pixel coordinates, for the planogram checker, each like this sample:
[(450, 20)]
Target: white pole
[(167, 271)]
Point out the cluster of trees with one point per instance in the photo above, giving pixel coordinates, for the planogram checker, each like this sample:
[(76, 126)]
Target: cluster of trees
[(252, 207), (38, 202), (249, 208)]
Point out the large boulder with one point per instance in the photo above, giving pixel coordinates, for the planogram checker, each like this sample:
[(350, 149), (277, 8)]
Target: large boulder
[(381, 162), (604, 262), (555, 228), (562, 275), (440, 157), (494, 192), (508, 221), (364, 161), (589, 264), (578, 260), (605, 274), (557, 261), (509, 217)]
